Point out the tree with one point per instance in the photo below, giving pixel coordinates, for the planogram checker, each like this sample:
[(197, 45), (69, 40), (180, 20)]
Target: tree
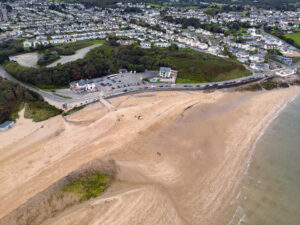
[(3, 57)]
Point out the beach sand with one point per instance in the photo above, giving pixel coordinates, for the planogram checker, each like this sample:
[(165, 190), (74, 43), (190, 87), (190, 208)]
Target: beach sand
[(179, 164)]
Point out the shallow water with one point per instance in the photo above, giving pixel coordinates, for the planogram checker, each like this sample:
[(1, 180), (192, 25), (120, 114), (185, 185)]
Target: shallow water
[(269, 193)]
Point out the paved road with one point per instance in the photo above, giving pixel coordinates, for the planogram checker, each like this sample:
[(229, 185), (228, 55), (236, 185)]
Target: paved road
[(44, 94), (92, 97)]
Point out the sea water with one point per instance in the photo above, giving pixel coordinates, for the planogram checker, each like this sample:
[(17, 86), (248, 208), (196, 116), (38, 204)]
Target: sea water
[(269, 193)]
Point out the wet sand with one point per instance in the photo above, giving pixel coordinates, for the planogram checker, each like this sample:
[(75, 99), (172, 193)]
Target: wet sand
[(179, 164)]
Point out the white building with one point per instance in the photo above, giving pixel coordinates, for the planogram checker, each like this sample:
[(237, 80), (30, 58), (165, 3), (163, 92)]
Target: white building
[(167, 75), (145, 45), (165, 72), (83, 85), (27, 44), (162, 44)]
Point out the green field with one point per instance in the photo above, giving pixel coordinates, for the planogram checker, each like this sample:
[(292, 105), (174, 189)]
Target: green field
[(197, 67), (94, 42), (294, 36), (88, 186), (191, 7), (154, 5), (157, 6)]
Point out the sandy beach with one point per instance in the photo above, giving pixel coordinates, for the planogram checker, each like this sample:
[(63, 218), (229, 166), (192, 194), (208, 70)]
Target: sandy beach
[(178, 164)]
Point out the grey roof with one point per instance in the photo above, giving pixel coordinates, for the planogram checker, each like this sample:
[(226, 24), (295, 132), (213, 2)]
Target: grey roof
[(6, 124), (81, 82), (89, 81), (165, 69)]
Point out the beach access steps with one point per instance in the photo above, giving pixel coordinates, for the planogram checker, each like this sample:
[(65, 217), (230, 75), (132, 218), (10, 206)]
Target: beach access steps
[(106, 104)]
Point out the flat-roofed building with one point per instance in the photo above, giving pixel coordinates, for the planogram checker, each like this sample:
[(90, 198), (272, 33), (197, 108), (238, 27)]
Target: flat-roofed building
[(6, 125)]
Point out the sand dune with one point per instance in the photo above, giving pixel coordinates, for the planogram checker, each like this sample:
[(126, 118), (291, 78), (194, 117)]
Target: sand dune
[(178, 165)]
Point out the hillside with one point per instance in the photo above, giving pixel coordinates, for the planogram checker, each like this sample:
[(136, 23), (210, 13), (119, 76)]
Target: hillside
[(192, 66)]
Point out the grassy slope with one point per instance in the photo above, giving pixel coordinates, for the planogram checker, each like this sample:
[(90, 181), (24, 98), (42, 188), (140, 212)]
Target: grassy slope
[(40, 111), (199, 67), (193, 66), (294, 36)]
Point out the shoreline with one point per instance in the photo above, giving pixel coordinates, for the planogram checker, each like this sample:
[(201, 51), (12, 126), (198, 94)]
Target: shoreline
[(236, 195), (183, 141), (280, 109)]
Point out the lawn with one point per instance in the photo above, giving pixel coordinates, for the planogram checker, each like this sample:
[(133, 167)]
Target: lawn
[(88, 186), (191, 7), (158, 6), (154, 5), (62, 96), (294, 36), (95, 42)]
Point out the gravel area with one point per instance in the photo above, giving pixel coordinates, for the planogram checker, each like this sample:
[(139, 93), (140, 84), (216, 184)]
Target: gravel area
[(78, 55), (28, 59)]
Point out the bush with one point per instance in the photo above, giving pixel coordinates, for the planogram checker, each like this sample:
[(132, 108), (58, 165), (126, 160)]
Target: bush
[(13, 97), (3, 57), (88, 186)]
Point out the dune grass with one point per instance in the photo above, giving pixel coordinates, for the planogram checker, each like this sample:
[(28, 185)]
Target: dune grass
[(40, 111), (75, 109), (88, 186)]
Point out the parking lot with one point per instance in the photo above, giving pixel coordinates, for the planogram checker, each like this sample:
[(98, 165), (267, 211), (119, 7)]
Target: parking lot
[(120, 83)]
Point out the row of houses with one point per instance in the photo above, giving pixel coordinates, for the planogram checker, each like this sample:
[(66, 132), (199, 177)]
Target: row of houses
[(35, 43)]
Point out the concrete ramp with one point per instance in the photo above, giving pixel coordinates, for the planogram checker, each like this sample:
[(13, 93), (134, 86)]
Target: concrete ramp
[(107, 104)]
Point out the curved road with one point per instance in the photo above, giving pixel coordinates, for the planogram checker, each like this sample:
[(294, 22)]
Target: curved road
[(44, 94)]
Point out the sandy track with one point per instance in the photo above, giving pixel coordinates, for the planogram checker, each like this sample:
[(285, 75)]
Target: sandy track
[(178, 165), (80, 54)]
